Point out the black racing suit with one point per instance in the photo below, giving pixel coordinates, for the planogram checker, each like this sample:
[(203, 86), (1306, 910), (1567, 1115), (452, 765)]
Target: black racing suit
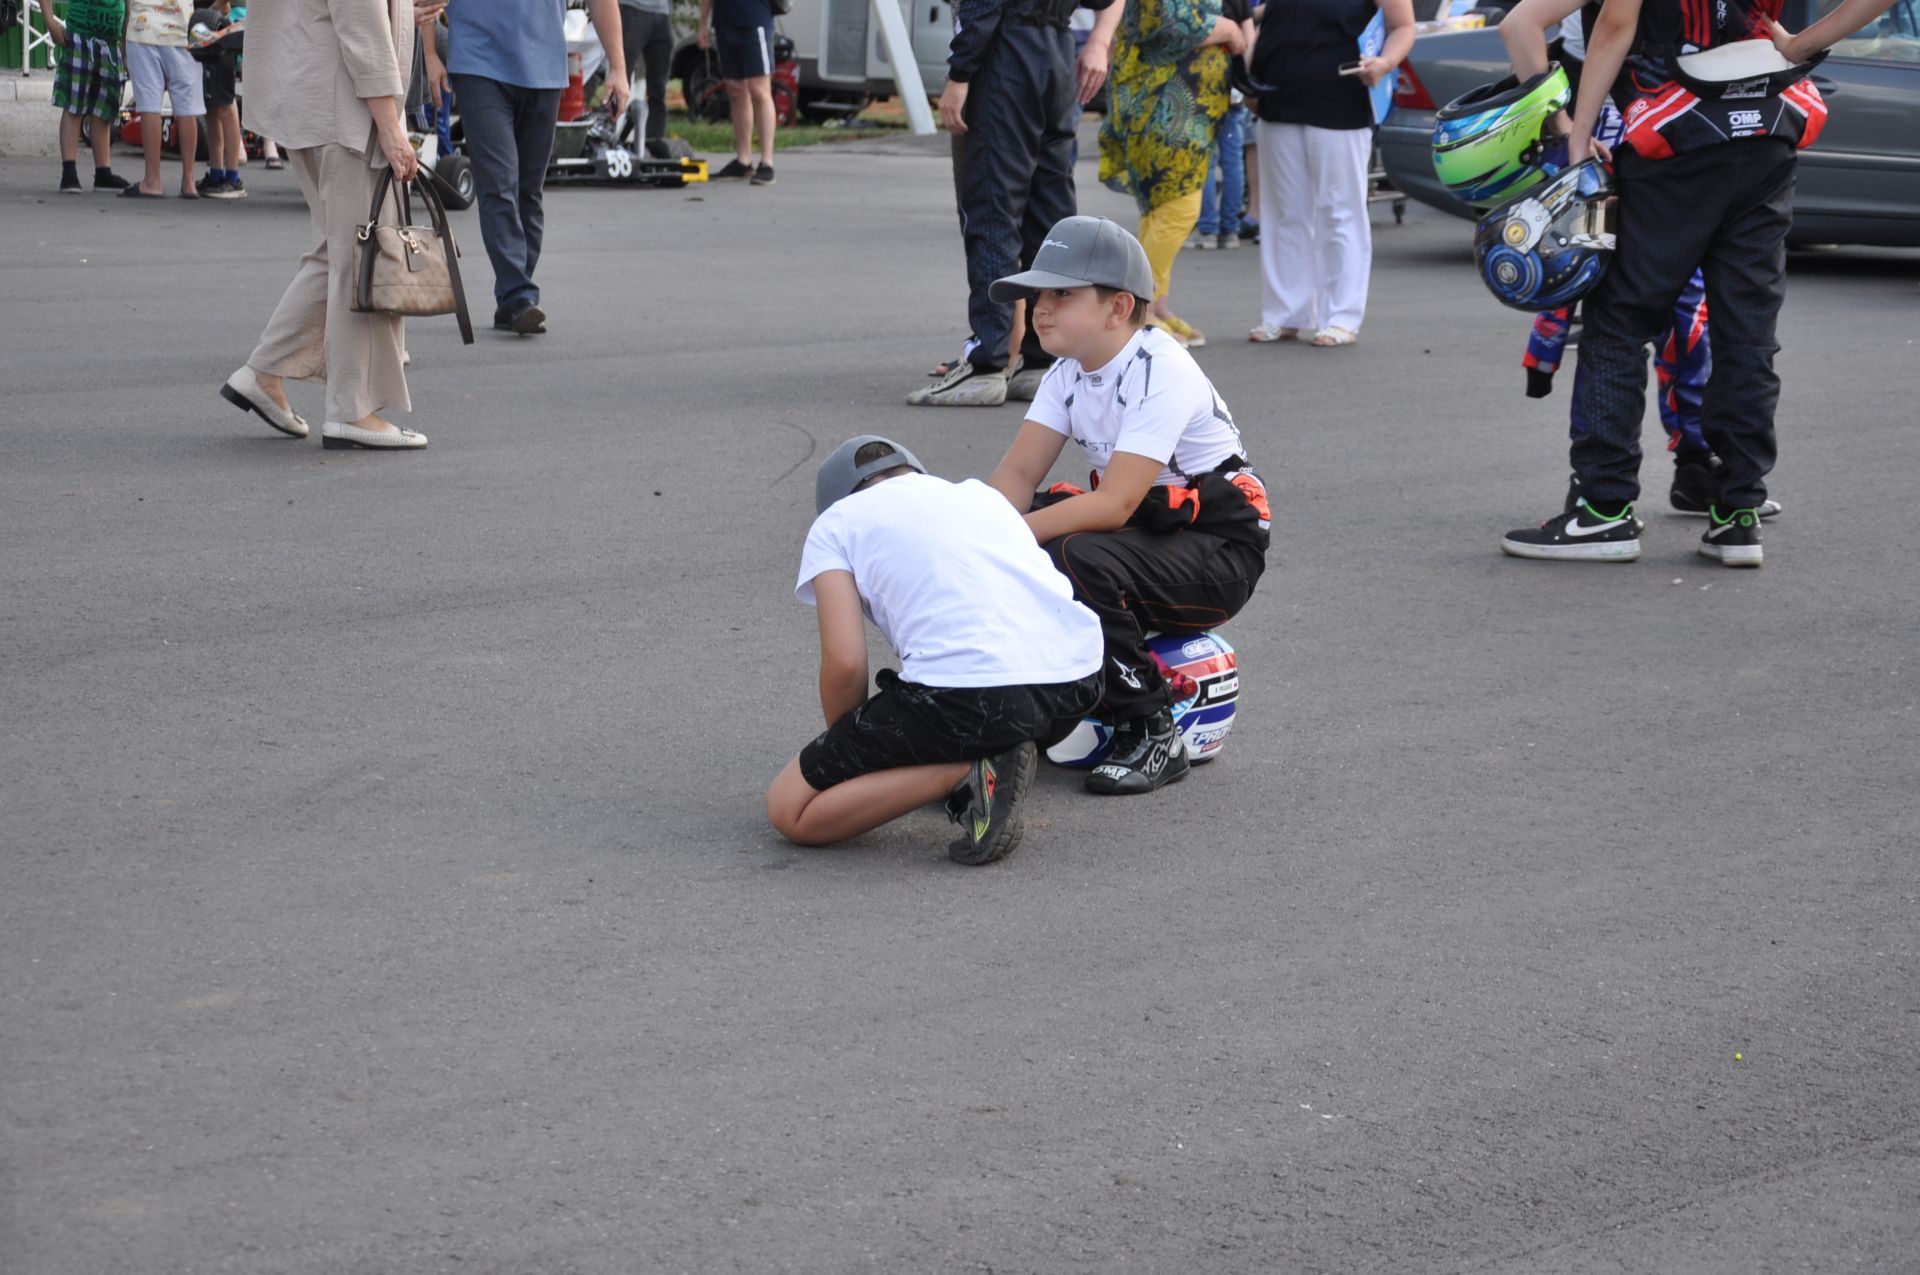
[(1014, 165)]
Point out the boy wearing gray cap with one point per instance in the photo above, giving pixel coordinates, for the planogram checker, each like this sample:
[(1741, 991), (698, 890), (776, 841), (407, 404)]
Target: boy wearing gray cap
[(995, 655), (1173, 535)]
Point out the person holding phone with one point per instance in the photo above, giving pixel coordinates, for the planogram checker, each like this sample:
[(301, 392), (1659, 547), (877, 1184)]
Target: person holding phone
[(1315, 135)]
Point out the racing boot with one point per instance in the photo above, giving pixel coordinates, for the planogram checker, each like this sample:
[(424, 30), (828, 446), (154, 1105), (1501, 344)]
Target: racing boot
[(1147, 754)]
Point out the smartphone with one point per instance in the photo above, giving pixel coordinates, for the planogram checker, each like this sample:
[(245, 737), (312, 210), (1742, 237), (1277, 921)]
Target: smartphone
[(1350, 68)]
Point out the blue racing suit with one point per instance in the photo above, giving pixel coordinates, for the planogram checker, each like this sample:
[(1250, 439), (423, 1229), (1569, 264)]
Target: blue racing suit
[(1014, 164)]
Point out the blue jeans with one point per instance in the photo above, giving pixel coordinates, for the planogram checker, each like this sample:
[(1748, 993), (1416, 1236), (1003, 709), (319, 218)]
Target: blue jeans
[(509, 139), (1220, 214)]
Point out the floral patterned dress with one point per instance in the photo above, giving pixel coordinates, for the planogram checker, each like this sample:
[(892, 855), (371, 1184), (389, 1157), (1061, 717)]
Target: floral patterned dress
[(1165, 98)]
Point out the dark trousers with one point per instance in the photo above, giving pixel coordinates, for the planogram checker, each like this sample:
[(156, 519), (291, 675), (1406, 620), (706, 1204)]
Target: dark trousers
[(1015, 173), (1169, 582), (509, 139), (1724, 209), (648, 36)]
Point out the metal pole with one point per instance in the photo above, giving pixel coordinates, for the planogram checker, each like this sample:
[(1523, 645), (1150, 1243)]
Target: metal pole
[(906, 70)]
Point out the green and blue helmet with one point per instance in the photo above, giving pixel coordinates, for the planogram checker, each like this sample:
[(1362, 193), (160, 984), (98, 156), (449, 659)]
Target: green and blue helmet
[(1489, 144)]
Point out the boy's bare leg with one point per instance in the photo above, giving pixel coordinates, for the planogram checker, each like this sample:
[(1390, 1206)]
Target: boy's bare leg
[(102, 140), (187, 128), (214, 153), (740, 103), (807, 816), (763, 115), (236, 145), (150, 182), (70, 138)]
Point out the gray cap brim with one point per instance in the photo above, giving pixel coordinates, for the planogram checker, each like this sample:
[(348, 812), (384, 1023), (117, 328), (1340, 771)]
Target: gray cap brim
[(1016, 286)]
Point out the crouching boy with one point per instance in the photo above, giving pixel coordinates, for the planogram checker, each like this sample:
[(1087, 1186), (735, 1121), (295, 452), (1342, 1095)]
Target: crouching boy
[(995, 656), (1173, 536)]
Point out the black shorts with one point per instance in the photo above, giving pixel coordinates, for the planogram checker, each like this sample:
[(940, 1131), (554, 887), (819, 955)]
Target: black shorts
[(217, 84), (744, 52), (906, 724)]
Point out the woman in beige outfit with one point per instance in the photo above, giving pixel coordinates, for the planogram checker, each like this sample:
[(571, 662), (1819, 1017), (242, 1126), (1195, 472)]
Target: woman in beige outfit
[(326, 79)]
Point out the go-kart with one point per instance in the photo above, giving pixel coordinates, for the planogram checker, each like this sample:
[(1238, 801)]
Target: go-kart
[(606, 148)]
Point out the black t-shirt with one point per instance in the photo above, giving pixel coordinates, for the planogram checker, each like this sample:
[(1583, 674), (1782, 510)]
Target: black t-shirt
[(1297, 60)]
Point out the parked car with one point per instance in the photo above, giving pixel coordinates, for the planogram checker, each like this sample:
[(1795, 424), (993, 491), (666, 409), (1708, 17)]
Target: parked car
[(1859, 183)]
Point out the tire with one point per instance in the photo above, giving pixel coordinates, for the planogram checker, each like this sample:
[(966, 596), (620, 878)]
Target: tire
[(785, 109), (454, 176), (705, 93)]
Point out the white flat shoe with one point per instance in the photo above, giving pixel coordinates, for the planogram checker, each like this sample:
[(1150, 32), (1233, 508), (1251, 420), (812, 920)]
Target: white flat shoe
[(334, 434), (243, 391)]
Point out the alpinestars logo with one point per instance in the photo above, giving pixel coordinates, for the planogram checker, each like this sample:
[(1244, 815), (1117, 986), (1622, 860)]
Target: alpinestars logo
[(1127, 675)]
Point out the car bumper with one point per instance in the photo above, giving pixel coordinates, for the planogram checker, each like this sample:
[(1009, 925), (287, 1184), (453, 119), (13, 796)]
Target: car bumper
[(1406, 150)]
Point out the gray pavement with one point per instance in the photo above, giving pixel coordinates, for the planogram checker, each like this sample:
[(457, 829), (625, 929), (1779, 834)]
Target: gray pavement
[(386, 886)]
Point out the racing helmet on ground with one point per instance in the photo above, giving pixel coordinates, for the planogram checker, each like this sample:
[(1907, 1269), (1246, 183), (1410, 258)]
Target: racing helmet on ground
[(1549, 247), (840, 477), (1488, 144), (1204, 674)]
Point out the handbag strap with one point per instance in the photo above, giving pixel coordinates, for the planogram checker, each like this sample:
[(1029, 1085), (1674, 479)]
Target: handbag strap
[(437, 212)]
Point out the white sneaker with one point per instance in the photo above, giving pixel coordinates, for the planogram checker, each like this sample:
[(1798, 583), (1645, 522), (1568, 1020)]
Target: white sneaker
[(962, 387), (1024, 384), (1273, 332), (243, 391), (334, 434)]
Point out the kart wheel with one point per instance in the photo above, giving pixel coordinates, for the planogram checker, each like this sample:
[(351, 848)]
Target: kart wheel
[(454, 175), (785, 109)]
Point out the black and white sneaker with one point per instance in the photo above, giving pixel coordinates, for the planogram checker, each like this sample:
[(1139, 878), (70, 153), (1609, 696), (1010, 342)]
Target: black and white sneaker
[(1580, 534), (1147, 754), (1734, 539), (963, 386), (988, 806), (734, 170), (1693, 492)]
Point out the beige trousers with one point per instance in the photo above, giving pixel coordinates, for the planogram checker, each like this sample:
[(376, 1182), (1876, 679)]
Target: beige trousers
[(314, 334)]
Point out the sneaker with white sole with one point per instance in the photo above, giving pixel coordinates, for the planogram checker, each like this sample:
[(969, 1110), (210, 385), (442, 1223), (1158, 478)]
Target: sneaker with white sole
[(1579, 534), (1024, 384), (964, 386), (1694, 489), (1734, 539)]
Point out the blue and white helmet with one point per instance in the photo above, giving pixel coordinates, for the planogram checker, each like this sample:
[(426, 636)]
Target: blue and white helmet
[(1549, 247), (1205, 676)]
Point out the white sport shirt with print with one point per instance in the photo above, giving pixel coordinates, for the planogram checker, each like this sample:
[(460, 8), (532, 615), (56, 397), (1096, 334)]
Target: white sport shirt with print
[(1152, 400)]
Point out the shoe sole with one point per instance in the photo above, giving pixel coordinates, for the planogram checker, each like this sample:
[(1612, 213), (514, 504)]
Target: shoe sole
[(332, 444), (1613, 551), (981, 398), (246, 404), (1769, 510), (768, 182), (1733, 555), (964, 852)]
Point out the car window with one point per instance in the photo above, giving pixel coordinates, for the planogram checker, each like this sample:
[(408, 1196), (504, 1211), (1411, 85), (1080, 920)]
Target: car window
[(1894, 37)]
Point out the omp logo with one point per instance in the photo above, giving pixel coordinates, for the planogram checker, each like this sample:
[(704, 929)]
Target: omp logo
[(1744, 119), (1197, 648)]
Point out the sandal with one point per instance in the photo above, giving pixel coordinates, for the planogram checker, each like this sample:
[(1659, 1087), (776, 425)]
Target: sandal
[(1331, 335), (1273, 332), (1182, 331)]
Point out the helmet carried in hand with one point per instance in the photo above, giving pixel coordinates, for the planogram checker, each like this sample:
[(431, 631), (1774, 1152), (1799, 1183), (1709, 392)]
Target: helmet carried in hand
[(1491, 144), (1549, 247)]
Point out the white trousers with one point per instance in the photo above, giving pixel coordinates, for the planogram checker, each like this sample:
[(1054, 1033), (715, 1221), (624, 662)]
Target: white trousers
[(1316, 242)]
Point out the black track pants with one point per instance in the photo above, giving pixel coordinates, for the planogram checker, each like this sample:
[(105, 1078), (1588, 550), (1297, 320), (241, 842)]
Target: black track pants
[(1169, 582), (1015, 172), (1726, 210)]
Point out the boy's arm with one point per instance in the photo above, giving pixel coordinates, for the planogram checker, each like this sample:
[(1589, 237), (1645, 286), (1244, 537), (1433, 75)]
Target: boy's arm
[(1524, 32), (1121, 490), (1607, 47), (54, 29), (1848, 17), (843, 644), (1019, 472)]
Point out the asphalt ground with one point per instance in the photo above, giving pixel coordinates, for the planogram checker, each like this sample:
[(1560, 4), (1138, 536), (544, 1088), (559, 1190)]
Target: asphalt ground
[(387, 888)]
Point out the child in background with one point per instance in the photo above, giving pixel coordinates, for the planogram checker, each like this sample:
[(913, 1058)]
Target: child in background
[(87, 83), (219, 57), (161, 68)]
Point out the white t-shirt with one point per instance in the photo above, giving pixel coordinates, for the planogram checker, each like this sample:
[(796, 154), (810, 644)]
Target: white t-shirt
[(1152, 400), (950, 573)]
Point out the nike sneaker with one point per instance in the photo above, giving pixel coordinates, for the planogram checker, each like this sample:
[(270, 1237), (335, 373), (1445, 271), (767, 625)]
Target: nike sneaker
[(1693, 492), (1580, 534), (988, 803), (1147, 754), (1733, 539)]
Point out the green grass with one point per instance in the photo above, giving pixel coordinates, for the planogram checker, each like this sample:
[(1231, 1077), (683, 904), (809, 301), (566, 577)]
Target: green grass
[(708, 139)]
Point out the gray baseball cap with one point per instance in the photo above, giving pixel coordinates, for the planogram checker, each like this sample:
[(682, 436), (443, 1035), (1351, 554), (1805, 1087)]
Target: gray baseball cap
[(1079, 251), (839, 477)]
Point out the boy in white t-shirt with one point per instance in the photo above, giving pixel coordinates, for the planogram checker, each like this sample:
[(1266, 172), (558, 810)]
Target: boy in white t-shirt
[(159, 65), (1174, 535), (995, 655)]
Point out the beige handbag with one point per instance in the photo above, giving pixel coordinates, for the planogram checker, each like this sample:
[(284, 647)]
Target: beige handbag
[(408, 269)]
